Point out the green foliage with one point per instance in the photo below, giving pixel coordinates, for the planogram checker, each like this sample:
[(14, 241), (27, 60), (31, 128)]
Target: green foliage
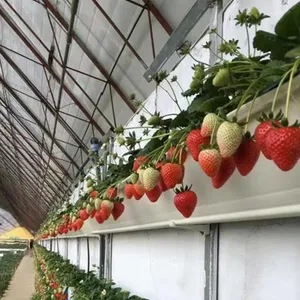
[(8, 264), (85, 285)]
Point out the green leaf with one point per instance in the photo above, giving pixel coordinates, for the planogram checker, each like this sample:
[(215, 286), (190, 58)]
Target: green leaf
[(269, 42), (293, 53), (181, 120), (207, 105), (189, 93), (289, 24)]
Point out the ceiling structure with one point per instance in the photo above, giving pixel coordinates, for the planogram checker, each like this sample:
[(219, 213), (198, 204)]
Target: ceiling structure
[(66, 75)]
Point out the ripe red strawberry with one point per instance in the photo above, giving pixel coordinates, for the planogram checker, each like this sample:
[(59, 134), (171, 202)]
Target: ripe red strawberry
[(151, 177), (185, 201), (260, 135), (93, 194), (172, 174), (138, 189), (117, 210), (283, 144), (139, 162), (99, 216), (229, 138), (92, 215), (112, 192), (136, 195), (154, 194), (246, 156), (160, 164), (79, 223), (128, 190), (210, 161), (194, 141), (83, 214), (106, 208), (226, 170), (177, 154), (162, 185), (210, 122)]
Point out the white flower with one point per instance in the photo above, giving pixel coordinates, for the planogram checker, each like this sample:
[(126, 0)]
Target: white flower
[(104, 146), (57, 269), (81, 281), (103, 293)]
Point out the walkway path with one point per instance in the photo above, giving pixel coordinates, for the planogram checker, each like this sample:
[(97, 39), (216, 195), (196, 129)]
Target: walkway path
[(22, 284)]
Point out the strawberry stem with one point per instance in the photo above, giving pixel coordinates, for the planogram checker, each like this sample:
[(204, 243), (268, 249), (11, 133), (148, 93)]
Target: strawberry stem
[(288, 96)]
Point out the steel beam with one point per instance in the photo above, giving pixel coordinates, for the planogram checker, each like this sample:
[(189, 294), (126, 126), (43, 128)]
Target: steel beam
[(37, 141), (159, 17), (178, 36), (89, 54), (115, 27), (31, 47), (37, 121)]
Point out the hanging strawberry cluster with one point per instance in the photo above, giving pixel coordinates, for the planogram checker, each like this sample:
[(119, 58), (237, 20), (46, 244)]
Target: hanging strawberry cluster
[(219, 144)]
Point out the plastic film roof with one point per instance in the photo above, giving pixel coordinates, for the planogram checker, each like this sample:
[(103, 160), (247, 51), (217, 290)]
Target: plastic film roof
[(55, 97)]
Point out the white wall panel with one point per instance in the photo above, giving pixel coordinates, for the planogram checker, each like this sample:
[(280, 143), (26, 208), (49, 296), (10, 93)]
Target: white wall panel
[(94, 254), (260, 260), (62, 245), (83, 254), (161, 264), (72, 251)]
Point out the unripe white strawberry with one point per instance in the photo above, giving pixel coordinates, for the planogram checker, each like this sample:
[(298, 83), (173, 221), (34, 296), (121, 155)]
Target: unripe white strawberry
[(210, 122), (151, 178), (229, 138)]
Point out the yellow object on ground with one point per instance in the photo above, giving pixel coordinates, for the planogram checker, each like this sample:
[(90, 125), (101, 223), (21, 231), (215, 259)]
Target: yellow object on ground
[(19, 233)]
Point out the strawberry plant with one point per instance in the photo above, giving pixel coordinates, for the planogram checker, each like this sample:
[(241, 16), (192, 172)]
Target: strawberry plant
[(154, 162)]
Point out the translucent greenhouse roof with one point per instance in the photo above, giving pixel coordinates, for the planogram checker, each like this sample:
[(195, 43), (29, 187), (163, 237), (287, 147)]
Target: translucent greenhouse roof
[(54, 100)]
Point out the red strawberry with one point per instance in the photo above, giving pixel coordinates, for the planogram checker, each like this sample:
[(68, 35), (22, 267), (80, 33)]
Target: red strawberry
[(160, 164), (246, 156), (194, 141), (138, 189), (162, 185), (260, 135), (172, 174), (106, 208), (226, 170), (136, 195), (177, 154), (112, 192), (210, 161), (93, 194), (139, 162), (100, 218), (117, 210), (154, 194), (128, 190), (283, 144), (92, 215), (70, 227), (79, 223), (83, 215), (185, 201)]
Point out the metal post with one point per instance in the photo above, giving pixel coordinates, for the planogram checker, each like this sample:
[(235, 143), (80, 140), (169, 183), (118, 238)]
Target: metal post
[(57, 246), (211, 263), (67, 248), (108, 256), (51, 245)]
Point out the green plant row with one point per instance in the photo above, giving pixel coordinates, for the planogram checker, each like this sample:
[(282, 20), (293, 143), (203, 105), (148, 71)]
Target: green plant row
[(53, 274), (8, 265), (13, 246)]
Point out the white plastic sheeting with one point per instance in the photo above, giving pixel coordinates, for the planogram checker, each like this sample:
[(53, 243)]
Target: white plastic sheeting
[(159, 265), (259, 260), (72, 251)]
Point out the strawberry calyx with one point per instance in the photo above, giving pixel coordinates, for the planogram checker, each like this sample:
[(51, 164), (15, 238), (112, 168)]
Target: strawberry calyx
[(117, 199), (270, 117), (182, 189)]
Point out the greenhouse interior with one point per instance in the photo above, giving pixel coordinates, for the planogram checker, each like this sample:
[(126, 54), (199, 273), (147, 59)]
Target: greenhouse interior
[(149, 149)]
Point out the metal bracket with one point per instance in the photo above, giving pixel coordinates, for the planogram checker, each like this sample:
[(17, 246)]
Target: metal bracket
[(203, 228), (178, 36)]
